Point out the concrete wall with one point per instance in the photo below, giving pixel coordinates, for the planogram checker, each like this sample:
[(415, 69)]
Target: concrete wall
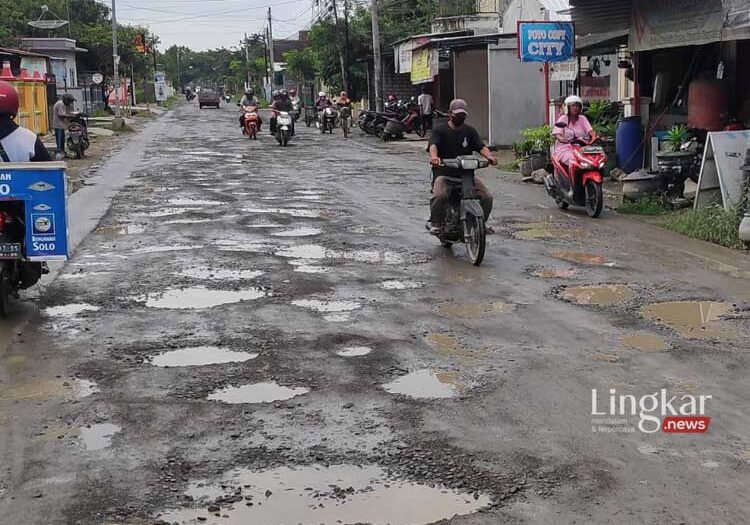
[(516, 95), (471, 84)]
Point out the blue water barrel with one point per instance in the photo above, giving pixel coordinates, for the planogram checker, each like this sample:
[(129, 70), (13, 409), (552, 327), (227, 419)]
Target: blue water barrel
[(629, 144)]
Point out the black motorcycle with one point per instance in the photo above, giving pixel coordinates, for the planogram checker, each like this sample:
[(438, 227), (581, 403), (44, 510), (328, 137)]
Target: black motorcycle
[(464, 218), (78, 135), (327, 120), (16, 272)]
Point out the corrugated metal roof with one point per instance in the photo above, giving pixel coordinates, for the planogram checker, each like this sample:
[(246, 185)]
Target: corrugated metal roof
[(600, 16), (558, 9)]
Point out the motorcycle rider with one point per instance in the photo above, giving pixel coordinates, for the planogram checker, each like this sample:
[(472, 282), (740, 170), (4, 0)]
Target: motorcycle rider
[(343, 100), (322, 102), (576, 127), (17, 144), (297, 103), (249, 99), (451, 140), (282, 103)]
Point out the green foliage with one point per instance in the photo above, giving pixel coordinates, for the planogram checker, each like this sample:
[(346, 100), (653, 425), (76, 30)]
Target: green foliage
[(644, 206), (533, 140), (603, 116), (712, 224), (676, 136)]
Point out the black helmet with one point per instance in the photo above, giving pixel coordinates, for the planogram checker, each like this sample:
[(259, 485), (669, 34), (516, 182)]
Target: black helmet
[(249, 92), (283, 93)]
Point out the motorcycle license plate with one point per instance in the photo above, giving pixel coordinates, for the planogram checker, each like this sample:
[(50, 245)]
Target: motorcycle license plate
[(10, 250)]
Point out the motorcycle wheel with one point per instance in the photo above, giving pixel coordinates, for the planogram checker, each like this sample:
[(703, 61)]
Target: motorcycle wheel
[(475, 239), (563, 205), (284, 139), (4, 293), (594, 199)]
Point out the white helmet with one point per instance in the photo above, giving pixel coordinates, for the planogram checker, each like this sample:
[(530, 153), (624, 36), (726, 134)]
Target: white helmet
[(572, 99), (322, 94)]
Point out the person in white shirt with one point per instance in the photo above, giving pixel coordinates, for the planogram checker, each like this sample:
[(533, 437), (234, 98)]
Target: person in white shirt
[(17, 144), (425, 103)]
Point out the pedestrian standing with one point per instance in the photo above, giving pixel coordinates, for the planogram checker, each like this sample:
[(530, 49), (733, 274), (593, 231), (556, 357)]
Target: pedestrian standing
[(61, 112), (425, 104)]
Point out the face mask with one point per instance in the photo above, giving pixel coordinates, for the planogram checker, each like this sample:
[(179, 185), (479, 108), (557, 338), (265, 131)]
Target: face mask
[(458, 119)]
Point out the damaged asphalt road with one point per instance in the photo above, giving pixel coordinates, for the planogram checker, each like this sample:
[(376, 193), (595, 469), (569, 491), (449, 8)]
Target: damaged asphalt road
[(262, 335)]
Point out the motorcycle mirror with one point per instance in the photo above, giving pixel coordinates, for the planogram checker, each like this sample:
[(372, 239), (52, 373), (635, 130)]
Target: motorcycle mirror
[(239, 104), (561, 125)]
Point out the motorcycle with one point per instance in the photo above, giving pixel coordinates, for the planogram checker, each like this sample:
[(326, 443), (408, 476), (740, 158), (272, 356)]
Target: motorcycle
[(284, 127), (345, 118), (580, 184), (327, 120), (78, 136), (464, 218), (365, 121), (408, 120), (251, 121), (296, 110)]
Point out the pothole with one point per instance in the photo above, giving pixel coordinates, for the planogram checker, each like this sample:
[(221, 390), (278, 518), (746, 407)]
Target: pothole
[(354, 351), (582, 258), (219, 274), (198, 297), (599, 295), (256, 393), (195, 202), (426, 384), (446, 344), (314, 251), (298, 232), (164, 249), (543, 231), (692, 319), (318, 495), (84, 388), (453, 309), (166, 212), (645, 342), (400, 285), (555, 273), (294, 212), (334, 310), (200, 356), (189, 221), (303, 251), (70, 310), (97, 437), (302, 266)]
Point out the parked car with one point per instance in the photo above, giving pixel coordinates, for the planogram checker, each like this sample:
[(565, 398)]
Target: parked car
[(208, 97)]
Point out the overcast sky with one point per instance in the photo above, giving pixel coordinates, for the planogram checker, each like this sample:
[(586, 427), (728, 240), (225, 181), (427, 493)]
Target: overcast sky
[(208, 24)]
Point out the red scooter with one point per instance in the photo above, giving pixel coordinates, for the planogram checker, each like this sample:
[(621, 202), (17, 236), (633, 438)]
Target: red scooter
[(251, 121), (580, 184), (410, 122)]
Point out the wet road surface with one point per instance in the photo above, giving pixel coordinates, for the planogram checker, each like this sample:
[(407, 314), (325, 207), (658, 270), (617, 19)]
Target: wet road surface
[(262, 335)]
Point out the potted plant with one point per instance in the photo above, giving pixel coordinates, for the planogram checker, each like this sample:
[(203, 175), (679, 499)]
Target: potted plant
[(532, 150)]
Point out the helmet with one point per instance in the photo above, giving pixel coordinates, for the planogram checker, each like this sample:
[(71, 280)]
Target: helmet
[(293, 91), (275, 93), (391, 97), (249, 92), (572, 99), (343, 94), (9, 102), (322, 94), (283, 93)]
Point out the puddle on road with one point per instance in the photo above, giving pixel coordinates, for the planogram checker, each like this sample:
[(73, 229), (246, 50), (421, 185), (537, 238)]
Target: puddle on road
[(599, 295), (97, 437), (199, 297), (81, 275), (189, 221), (84, 388), (200, 356), (401, 285), (606, 358), (306, 267), (582, 258), (221, 274), (354, 351), (555, 273), (167, 212), (645, 342), (426, 384), (314, 251), (452, 309), (226, 245), (693, 319), (195, 202), (336, 311), (332, 495), (294, 212), (304, 251), (164, 249), (256, 393), (299, 232), (542, 233), (70, 310), (124, 229)]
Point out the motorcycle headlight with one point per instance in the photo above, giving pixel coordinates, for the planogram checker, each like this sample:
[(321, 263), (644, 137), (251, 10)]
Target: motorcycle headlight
[(586, 165), (472, 164)]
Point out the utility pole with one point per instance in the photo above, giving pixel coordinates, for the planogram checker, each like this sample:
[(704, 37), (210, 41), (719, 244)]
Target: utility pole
[(270, 49), (339, 47), (117, 123), (347, 48), (376, 53)]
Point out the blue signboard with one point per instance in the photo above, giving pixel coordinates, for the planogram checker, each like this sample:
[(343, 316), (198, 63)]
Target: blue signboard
[(546, 41), (43, 188)]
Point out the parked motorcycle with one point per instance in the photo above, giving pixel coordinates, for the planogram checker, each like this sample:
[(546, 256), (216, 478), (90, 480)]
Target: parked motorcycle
[(251, 121), (16, 271), (580, 184), (464, 218), (407, 120), (284, 128), (327, 120), (78, 135), (365, 121)]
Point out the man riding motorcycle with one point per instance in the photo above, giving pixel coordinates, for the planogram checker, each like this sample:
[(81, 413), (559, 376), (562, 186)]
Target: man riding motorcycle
[(297, 103), (343, 100), (448, 141), (282, 103), (249, 99)]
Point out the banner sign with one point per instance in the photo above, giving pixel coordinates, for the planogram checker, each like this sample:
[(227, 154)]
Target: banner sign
[(595, 88), (563, 71), (160, 86), (424, 65), (546, 41), (43, 188)]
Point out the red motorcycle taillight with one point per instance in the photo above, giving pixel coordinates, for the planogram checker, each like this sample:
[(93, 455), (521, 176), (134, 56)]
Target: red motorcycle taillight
[(3, 221)]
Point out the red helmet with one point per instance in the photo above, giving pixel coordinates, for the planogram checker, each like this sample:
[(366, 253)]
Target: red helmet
[(8, 99)]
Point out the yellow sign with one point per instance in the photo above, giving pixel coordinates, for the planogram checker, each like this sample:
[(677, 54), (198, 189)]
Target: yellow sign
[(421, 70)]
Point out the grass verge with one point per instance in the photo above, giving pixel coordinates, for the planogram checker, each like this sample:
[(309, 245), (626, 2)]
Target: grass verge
[(712, 224), (645, 206)]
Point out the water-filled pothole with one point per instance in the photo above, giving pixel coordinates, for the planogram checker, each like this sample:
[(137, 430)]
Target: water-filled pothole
[(199, 297), (334, 310), (426, 384), (454, 309), (84, 388), (599, 295), (303, 266), (70, 310), (200, 356), (400, 285), (645, 342), (555, 273), (317, 495), (354, 351), (256, 393), (582, 258), (219, 274), (298, 232), (692, 319), (97, 437), (314, 251), (164, 249)]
